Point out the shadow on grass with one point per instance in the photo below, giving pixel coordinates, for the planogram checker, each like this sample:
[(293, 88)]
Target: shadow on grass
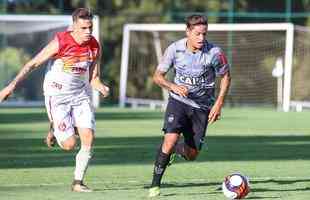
[(265, 197), (31, 152), (39, 115), (254, 188), (281, 181)]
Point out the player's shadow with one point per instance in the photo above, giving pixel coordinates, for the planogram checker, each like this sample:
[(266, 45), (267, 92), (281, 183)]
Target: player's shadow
[(279, 182), (22, 148), (258, 190), (254, 187), (191, 184), (136, 115), (188, 184), (29, 116), (265, 197), (9, 116), (23, 152)]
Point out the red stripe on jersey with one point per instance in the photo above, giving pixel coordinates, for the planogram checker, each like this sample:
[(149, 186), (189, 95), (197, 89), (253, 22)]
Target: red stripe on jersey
[(222, 58)]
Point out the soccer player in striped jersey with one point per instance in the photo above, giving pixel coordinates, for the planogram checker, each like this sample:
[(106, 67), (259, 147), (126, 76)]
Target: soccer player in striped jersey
[(192, 104), (67, 83)]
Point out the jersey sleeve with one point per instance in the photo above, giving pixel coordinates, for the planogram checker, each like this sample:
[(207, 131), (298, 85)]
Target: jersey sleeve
[(219, 62), (167, 59), (95, 46), (59, 38)]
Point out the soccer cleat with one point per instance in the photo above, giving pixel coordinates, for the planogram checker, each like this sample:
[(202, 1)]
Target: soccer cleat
[(154, 191), (78, 186)]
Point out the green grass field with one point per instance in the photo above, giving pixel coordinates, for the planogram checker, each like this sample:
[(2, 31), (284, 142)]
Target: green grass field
[(270, 147)]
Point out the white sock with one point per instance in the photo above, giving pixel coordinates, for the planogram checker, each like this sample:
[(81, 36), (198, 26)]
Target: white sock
[(81, 162)]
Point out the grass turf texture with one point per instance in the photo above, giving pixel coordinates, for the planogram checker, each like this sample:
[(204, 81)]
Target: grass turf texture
[(270, 147)]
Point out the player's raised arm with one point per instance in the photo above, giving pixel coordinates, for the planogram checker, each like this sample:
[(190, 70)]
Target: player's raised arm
[(46, 53), (216, 109)]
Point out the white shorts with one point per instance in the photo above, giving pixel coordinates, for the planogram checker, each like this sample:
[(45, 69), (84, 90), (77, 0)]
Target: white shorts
[(67, 113)]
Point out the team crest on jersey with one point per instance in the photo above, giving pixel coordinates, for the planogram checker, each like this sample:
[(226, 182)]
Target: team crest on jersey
[(170, 118), (62, 126)]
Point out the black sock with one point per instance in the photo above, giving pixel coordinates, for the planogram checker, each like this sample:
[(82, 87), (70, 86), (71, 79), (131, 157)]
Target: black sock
[(160, 166)]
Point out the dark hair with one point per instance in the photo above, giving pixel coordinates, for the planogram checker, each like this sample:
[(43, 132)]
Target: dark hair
[(82, 13), (194, 20)]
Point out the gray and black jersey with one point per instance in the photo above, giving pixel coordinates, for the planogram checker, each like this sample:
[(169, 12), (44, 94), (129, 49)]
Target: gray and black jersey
[(195, 70)]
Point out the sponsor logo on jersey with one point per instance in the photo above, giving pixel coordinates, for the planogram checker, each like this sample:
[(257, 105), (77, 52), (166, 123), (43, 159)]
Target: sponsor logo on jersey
[(191, 80), (78, 70), (56, 85)]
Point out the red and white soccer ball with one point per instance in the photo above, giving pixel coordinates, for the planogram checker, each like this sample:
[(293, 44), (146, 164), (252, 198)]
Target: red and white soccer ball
[(236, 186)]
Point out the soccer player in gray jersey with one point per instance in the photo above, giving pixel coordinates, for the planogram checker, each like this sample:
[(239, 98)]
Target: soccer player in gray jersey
[(192, 103)]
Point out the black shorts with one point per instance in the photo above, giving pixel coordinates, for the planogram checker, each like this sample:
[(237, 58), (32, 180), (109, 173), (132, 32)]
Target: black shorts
[(191, 122)]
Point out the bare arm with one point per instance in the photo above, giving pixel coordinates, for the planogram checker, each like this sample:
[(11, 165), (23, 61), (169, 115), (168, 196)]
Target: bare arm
[(216, 109), (159, 79), (46, 53), (95, 81)]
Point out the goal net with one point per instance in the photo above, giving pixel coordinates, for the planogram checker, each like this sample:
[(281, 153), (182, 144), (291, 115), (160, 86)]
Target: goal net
[(261, 58), (300, 95), (21, 37)]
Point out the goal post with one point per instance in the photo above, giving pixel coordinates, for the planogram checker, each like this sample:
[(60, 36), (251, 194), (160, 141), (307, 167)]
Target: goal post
[(250, 47), (25, 35)]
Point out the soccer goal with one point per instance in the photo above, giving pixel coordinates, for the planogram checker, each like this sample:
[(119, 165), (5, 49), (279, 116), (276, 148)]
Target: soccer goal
[(269, 63), (21, 37)]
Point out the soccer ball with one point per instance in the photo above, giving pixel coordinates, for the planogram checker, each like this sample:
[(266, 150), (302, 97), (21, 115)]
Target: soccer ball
[(235, 186)]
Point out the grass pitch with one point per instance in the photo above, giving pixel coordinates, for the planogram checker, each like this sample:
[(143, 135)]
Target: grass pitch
[(271, 148)]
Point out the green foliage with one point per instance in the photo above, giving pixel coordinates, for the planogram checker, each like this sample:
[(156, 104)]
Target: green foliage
[(115, 13), (11, 60)]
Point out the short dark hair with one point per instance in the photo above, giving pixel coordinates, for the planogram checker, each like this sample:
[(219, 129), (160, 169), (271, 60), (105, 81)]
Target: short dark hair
[(194, 20), (82, 13)]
